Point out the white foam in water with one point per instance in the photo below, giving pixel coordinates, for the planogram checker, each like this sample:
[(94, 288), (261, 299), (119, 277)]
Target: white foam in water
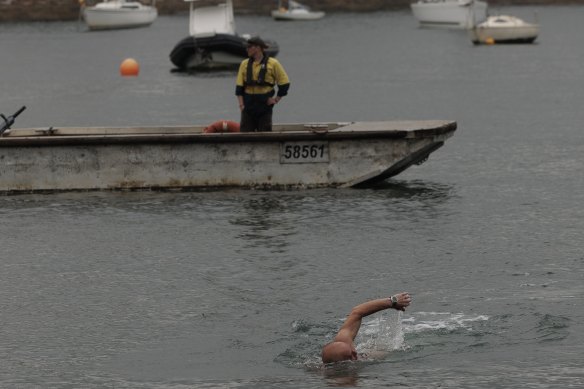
[(431, 321), (384, 333)]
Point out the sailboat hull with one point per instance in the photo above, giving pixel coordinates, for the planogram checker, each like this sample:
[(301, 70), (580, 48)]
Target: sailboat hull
[(449, 13), (102, 18), (293, 15)]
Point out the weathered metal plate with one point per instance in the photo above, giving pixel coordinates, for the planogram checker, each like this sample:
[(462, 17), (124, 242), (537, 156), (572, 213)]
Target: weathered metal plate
[(304, 152)]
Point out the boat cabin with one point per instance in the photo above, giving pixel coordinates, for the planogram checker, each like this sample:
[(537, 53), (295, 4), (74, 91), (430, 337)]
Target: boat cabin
[(209, 20)]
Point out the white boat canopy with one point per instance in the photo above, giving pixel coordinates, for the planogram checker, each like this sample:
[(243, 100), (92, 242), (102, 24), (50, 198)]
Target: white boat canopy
[(211, 20)]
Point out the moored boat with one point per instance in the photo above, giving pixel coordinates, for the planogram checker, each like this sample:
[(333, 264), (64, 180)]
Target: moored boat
[(295, 11), (212, 42), (175, 157), (114, 14), (504, 29), (449, 13)]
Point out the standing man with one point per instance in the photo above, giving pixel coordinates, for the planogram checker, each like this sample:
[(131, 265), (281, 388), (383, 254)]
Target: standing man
[(342, 347), (256, 79)]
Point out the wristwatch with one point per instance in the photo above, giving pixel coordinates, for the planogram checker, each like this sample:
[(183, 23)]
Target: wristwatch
[(393, 300)]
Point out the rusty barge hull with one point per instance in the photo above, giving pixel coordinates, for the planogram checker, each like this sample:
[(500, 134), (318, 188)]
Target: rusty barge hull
[(182, 157)]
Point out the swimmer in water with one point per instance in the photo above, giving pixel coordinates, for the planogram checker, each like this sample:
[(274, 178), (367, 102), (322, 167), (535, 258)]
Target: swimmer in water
[(342, 347)]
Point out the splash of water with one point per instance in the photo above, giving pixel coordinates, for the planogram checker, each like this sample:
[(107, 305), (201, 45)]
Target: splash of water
[(385, 333)]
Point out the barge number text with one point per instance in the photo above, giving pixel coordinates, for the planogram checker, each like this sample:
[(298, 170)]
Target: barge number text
[(304, 152)]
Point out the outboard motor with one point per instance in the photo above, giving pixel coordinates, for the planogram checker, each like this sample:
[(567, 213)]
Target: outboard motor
[(9, 121)]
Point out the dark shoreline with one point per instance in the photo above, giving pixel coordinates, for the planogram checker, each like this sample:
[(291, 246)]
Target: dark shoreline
[(61, 10)]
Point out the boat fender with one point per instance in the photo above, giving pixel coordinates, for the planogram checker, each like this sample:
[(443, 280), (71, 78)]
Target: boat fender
[(222, 126)]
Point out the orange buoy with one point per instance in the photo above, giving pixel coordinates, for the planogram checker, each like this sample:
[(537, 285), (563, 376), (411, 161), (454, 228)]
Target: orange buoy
[(490, 41), (222, 126), (129, 67)]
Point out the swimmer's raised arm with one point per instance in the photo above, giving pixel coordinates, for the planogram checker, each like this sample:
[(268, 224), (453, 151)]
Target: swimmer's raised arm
[(342, 347), (353, 322)]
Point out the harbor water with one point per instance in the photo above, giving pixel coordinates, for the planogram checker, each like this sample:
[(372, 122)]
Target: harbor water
[(241, 288)]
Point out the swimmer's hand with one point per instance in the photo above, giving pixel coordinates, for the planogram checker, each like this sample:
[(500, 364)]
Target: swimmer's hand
[(400, 301)]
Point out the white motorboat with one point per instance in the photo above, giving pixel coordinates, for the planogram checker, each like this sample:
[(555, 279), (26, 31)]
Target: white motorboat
[(450, 13), (504, 29), (114, 14), (212, 42), (295, 11)]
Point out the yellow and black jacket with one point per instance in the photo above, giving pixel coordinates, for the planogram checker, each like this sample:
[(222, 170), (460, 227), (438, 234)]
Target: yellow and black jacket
[(260, 78)]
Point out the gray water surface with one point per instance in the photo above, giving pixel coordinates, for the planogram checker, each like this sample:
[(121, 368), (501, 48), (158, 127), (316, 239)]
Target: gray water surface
[(241, 288)]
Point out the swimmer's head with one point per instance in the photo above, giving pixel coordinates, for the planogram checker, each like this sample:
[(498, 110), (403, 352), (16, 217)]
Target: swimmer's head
[(338, 351)]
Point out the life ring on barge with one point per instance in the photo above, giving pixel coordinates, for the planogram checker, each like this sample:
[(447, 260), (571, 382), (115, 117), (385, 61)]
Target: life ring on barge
[(222, 126)]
